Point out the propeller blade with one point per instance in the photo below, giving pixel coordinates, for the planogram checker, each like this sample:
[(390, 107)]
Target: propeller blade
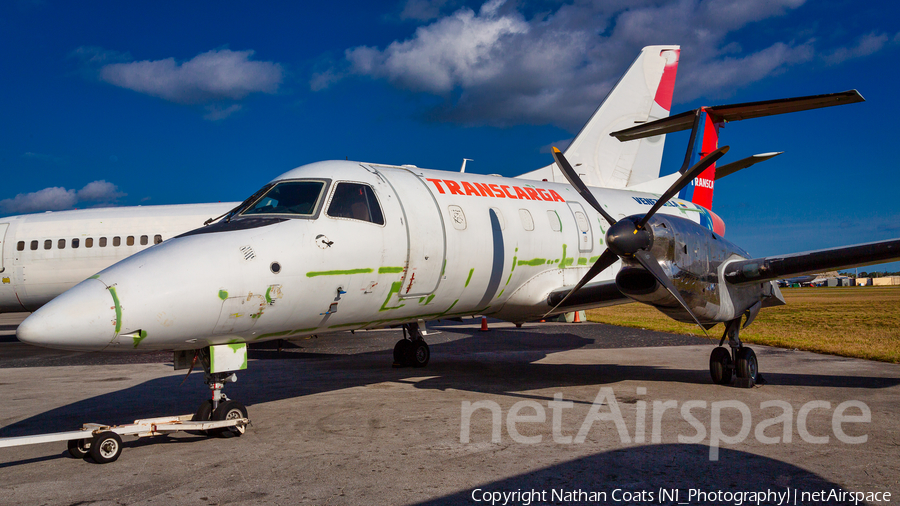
[(649, 262), (579, 185), (683, 181), (692, 143), (606, 259)]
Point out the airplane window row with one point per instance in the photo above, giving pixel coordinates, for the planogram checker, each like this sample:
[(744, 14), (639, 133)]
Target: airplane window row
[(75, 243)]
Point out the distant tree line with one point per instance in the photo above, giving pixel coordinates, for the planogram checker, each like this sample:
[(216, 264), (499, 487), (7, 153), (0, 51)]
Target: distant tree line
[(874, 274)]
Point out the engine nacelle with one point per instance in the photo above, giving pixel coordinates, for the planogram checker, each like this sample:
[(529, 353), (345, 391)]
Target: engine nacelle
[(693, 257)]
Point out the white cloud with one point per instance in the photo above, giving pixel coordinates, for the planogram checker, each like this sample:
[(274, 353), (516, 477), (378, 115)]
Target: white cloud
[(717, 77), (212, 76), (49, 199), (99, 191), (497, 67), (457, 50), (865, 46), (57, 198)]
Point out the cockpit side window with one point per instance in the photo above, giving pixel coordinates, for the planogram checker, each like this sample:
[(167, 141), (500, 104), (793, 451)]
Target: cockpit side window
[(355, 201), (297, 198)]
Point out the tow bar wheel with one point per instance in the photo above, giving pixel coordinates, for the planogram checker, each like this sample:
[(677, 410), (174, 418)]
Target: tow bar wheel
[(229, 410), (79, 448), (106, 447)]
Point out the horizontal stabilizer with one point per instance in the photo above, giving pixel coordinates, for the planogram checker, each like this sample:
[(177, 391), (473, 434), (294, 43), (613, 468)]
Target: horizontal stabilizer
[(733, 167), (737, 112), (785, 266)]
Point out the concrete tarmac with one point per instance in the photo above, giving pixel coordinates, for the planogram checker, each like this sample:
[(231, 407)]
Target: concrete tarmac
[(333, 423)]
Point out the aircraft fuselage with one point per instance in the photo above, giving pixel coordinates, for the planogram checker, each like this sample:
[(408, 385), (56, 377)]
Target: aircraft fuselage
[(448, 244)]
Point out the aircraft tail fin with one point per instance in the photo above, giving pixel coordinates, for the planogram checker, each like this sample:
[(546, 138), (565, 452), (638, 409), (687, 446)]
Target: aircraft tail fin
[(643, 94)]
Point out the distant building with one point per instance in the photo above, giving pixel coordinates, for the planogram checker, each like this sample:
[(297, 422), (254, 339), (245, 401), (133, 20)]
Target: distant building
[(863, 281), (886, 281)]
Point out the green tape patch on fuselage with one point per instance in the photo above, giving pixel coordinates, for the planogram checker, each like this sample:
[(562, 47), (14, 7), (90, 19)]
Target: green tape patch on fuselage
[(223, 294), (112, 291), (338, 272), (390, 270), (472, 270), (395, 288), (138, 338)]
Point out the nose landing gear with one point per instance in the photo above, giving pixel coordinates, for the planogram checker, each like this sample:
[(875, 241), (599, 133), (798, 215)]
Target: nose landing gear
[(219, 407)]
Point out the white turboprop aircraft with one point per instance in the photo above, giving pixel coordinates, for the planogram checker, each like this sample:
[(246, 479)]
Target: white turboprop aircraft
[(44, 255), (339, 245)]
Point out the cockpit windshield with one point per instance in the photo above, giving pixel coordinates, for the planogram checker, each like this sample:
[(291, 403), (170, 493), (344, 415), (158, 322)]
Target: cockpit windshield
[(296, 198)]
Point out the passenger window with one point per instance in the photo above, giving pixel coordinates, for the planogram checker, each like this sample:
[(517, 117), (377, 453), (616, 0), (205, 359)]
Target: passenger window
[(130, 240), (555, 224), (527, 220), (89, 242), (48, 244), (20, 246), (75, 243), (34, 245), (117, 241), (357, 202), (582, 221), (102, 242), (61, 244), (289, 197), (157, 239), (144, 240)]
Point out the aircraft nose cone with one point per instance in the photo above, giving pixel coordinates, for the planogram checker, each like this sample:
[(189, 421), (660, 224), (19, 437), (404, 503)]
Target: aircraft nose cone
[(83, 318)]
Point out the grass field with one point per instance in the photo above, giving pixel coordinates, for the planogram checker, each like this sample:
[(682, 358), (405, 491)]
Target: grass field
[(862, 322)]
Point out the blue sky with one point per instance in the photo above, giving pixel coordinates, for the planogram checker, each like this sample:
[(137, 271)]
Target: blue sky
[(131, 103)]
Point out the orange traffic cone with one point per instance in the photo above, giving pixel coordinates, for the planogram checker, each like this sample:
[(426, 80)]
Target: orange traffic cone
[(577, 317), (484, 327)]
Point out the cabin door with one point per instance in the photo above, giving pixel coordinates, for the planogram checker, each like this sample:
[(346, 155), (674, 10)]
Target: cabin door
[(425, 239)]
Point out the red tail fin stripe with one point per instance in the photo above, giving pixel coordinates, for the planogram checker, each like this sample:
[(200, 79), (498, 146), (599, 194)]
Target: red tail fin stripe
[(667, 83)]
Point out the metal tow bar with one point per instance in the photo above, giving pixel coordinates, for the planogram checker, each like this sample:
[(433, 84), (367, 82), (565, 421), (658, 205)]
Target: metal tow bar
[(104, 442)]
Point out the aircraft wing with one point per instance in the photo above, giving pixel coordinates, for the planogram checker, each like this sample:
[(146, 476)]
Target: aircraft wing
[(603, 292), (782, 266)]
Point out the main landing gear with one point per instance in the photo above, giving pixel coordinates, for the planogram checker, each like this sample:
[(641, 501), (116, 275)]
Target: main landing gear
[(740, 361), (412, 350), (219, 407)]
